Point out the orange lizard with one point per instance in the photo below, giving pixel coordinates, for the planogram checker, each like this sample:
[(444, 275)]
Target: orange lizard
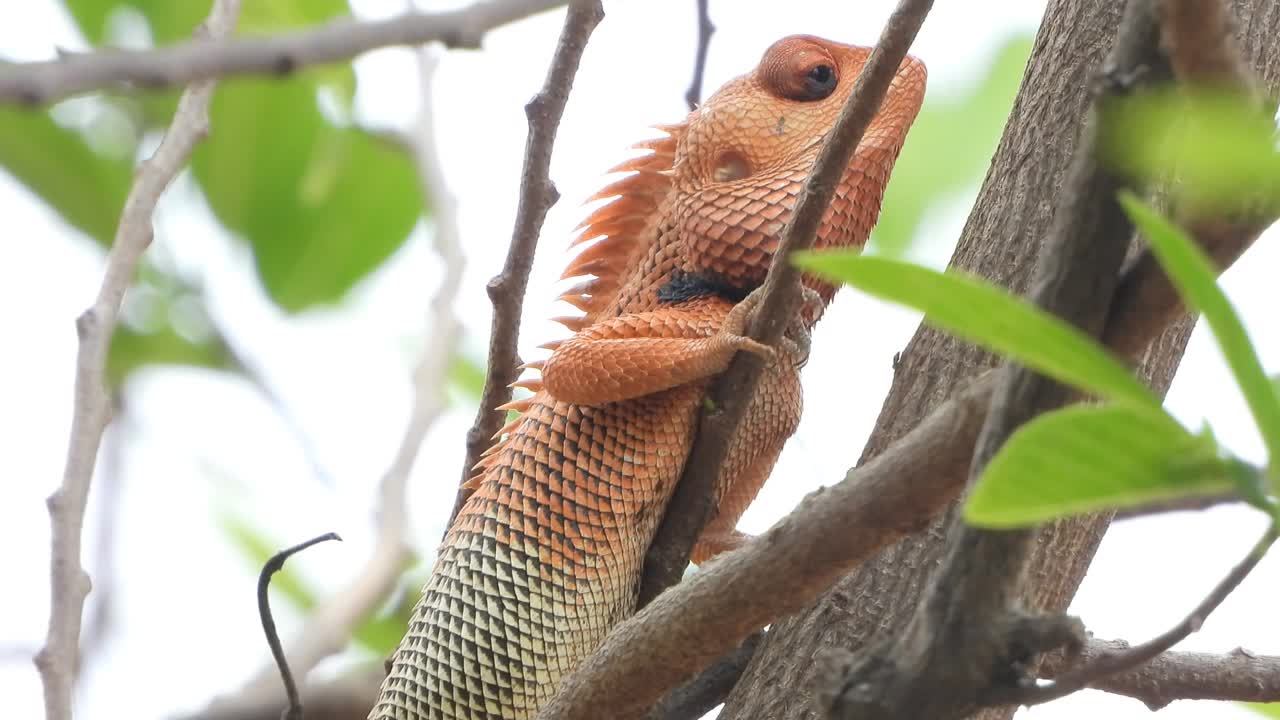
[(546, 555)]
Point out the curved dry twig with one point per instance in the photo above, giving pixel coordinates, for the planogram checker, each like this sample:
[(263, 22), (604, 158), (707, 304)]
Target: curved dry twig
[(273, 565), (36, 83), (1107, 664), (70, 584)]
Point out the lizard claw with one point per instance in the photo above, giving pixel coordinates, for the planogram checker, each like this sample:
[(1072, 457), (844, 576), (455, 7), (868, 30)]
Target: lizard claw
[(797, 339)]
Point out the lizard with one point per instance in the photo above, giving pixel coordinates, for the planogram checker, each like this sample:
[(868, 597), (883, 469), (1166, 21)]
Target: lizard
[(546, 554)]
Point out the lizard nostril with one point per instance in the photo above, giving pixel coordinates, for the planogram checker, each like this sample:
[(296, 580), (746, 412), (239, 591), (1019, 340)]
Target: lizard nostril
[(730, 166)]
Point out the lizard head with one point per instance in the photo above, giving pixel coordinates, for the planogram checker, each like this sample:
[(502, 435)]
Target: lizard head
[(709, 199), (744, 155)]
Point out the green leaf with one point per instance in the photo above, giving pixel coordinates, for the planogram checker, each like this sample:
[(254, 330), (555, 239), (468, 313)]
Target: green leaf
[(171, 22), (320, 202), (1271, 710), (1220, 147), (982, 313), (467, 375), (932, 164), (132, 349), (1194, 276), (320, 205), (1090, 458), (381, 633), (256, 547), (85, 187)]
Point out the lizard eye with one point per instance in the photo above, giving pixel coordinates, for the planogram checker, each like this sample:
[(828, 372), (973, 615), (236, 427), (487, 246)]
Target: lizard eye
[(820, 81), (806, 74)]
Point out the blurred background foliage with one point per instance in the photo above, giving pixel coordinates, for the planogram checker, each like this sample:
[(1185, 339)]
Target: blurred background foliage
[(321, 202), (286, 170)]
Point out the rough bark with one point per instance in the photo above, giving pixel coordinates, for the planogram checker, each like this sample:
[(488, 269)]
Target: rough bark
[(1000, 241)]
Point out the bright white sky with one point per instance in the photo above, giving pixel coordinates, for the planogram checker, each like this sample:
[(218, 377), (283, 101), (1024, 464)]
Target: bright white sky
[(184, 625)]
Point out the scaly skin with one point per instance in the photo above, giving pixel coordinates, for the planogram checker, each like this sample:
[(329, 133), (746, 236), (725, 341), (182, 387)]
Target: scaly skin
[(546, 555)]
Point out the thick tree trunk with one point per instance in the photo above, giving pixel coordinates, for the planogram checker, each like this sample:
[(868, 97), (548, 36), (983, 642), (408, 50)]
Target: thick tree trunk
[(1000, 241)]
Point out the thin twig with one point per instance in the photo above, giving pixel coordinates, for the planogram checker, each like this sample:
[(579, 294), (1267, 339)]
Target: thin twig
[(1111, 664), (537, 195), (1239, 675), (271, 567), (42, 82), (57, 661), (706, 29), (691, 504), (109, 484)]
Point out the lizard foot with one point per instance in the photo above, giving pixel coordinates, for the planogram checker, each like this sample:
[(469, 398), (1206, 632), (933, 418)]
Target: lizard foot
[(797, 339), (712, 544), (732, 334)]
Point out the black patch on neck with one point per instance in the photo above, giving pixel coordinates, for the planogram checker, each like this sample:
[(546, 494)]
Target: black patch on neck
[(684, 286)]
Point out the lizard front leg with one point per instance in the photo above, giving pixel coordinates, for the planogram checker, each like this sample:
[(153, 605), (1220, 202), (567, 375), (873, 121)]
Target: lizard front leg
[(638, 354)]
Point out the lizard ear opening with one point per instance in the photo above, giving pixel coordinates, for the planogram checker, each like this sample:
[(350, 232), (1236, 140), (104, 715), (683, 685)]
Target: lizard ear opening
[(731, 165), (799, 69)]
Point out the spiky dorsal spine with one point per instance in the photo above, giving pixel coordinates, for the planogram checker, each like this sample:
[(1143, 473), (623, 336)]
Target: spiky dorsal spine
[(611, 237)]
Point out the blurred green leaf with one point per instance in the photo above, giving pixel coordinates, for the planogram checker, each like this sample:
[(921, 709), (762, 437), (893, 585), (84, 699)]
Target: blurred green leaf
[(321, 206), (979, 312), (132, 349), (949, 147), (172, 22), (1194, 276), (467, 375), (257, 547), (320, 202), (1221, 148), (1271, 710), (164, 322), (85, 187), (381, 634), (1088, 458)]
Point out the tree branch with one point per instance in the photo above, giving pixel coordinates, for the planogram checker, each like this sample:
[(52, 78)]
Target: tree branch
[(1239, 675), (537, 195), (36, 83), (705, 29), (1197, 38), (57, 661), (702, 694), (692, 503)]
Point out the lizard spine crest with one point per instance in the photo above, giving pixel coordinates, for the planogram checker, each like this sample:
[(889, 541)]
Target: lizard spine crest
[(610, 238)]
